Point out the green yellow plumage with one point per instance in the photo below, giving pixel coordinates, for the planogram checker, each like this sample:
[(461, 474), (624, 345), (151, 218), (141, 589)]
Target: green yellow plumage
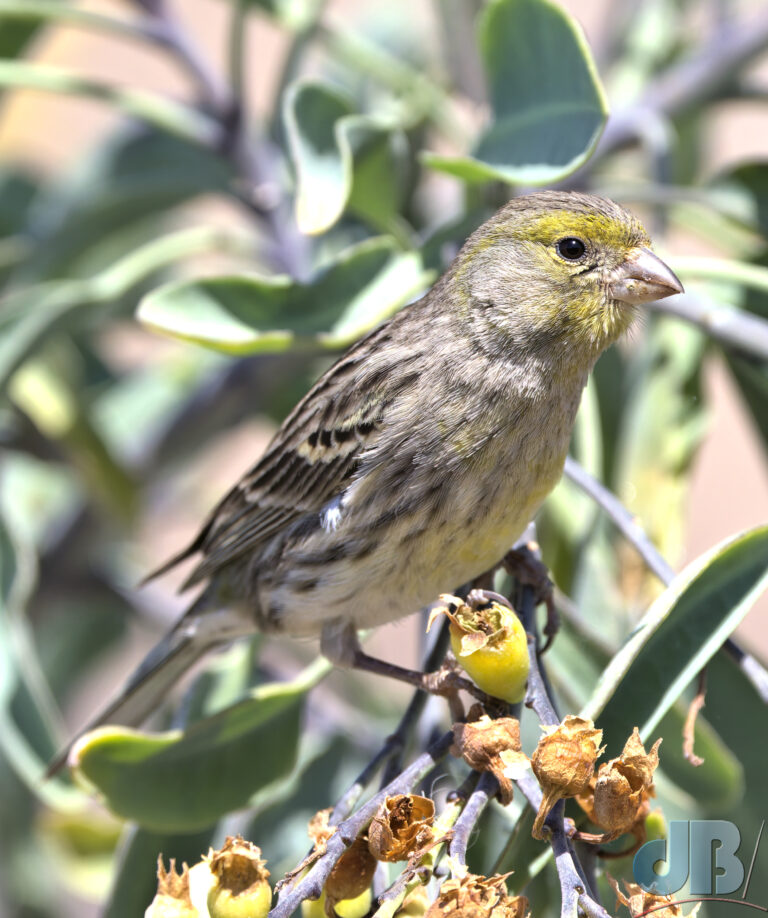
[(417, 460)]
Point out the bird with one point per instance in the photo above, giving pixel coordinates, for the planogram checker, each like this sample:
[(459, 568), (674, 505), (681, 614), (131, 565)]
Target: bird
[(419, 457)]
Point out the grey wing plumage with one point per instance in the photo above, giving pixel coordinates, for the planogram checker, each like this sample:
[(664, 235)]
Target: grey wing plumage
[(307, 464)]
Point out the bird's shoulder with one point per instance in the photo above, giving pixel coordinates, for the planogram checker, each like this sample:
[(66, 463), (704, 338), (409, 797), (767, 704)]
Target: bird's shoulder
[(315, 452)]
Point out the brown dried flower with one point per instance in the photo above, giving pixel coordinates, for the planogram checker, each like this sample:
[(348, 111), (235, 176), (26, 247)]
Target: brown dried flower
[(351, 875), (624, 786), (172, 897), (241, 880), (319, 830), (473, 896), (564, 762), (640, 902), (401, 828), (490, 745)]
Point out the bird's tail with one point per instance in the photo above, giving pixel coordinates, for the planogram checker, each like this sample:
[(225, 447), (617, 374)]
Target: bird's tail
[(199, 631)]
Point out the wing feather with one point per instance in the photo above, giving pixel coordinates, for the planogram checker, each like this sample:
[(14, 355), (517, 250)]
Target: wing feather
[(309, 461)]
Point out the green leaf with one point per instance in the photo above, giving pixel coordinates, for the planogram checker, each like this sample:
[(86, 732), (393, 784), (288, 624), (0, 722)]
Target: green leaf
[(743, 192), (250, 313), (680, 632), (28, 717), (16, 34), (339, 157), (663, 422), (157, 110), (133, 177), (548, 105), (737, 713), (182, 781), (31, 314)]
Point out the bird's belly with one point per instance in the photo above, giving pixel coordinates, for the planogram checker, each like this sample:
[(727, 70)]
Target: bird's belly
[(480, 517)]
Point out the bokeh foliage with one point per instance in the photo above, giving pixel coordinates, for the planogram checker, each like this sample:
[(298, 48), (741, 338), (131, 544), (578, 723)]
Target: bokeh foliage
[(389, 139)]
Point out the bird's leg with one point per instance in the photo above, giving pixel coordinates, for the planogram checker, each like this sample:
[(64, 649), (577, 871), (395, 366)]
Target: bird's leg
[(525, 567), (340, 644)]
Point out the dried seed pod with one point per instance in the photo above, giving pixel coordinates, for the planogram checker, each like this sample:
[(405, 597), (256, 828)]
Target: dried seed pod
[(491, 745), (401, 828), (639, 902), (351, 875), (564, 762), (490, 644), (241, 881), (172, 898), (473, 896), (624, 786), (319, 830)]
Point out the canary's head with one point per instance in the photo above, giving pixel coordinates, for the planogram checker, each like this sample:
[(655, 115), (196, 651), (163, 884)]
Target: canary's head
[(559, 268)]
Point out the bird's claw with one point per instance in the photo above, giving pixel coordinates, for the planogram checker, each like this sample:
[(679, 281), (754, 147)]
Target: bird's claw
[(525, 567)]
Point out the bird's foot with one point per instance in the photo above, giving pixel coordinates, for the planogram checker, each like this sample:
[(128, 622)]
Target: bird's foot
[(525, 567)]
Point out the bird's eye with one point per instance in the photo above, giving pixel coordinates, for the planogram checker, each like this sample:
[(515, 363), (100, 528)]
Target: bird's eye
[(571, 248)]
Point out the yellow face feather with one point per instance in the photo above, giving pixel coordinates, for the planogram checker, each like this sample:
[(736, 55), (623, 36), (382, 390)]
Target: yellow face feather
[(539, 296)]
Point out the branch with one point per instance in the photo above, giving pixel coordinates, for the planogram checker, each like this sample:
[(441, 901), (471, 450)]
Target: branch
[(312, 884), (694, 80), (169, 32), (486, 788), (574, 886), (735, 328), (256, 161), (624, 521), (627, 524)]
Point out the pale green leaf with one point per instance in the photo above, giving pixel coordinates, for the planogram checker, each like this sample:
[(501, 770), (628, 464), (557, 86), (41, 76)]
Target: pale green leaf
[(182, 781), (548, 106), (251, 313), (333, 149), (680, 632)]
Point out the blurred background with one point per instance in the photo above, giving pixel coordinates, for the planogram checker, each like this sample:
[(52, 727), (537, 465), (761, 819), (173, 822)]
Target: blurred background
[(120, 433)]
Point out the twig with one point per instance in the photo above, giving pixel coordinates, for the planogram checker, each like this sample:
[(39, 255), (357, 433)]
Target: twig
[(311, 885), (292, 60), (486, 788), (574, 885), (694, 80), (417, 703), (238, 33), (624, 521), (391, 749), (255, 160), (627, 524), (456, 20), (168, 31), (733, 327), (689, 728)]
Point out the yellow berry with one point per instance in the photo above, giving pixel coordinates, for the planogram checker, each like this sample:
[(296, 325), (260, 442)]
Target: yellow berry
[(347, 908), (222, 903), (491, 646), (239, 885)]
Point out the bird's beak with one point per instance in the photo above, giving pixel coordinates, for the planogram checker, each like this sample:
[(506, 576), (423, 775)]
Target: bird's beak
[(642, 278)]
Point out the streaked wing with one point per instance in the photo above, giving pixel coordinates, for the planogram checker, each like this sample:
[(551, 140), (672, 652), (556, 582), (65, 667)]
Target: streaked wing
[(312, 457)]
